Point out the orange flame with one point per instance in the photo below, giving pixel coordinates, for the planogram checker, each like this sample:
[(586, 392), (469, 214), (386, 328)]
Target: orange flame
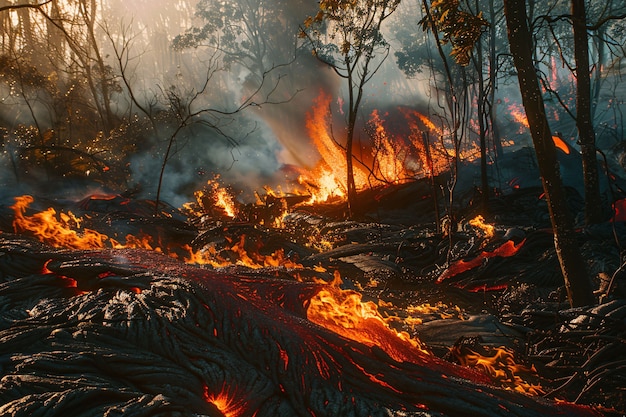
[(59, 232), (345, 313), (213, 196), (479, 222), (386, 159), (238, 255), (388, 154), (519, 115), (501, 365), (328, 178), (55, 231)]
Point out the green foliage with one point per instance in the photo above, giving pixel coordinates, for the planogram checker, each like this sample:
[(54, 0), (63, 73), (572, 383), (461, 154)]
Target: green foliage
[(344, 31), (248, 33), (459, 28)]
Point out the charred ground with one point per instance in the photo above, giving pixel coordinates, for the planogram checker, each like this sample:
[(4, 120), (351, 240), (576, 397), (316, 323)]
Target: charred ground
[(124, 325)]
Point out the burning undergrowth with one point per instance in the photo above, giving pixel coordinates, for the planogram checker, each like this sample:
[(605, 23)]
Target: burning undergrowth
[(283, 309)]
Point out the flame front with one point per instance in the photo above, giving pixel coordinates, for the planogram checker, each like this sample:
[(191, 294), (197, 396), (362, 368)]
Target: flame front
[(55, 231), (391, 160)]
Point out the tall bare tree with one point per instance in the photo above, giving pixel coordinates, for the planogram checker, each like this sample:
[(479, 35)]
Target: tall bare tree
[(585, 111), (573, 267)]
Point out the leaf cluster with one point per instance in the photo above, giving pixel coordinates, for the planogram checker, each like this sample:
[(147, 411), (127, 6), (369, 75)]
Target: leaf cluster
[(347, 29), (459, 28)]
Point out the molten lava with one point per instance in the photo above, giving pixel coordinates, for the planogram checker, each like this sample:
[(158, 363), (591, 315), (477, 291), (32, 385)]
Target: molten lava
[(345, 313), (509, 248), (500, 363), (560, 144)]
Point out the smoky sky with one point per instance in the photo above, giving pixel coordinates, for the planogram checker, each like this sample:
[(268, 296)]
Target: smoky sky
[(259, 145)]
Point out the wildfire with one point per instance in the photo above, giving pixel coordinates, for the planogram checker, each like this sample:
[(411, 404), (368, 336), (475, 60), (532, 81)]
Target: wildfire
[(328, 178), (213, 199), (388, 154), (239, 255), (56, 231), (63, 230), (392, 159), (479, 222)]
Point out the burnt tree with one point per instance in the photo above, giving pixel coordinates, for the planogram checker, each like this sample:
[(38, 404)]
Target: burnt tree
[(584, 120), (572, 264)]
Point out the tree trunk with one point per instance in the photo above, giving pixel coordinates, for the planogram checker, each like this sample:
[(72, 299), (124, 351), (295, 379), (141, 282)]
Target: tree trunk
[(572, 264), (584, 122), (493, 72), (353, 108), (350, 184), (482, 116)]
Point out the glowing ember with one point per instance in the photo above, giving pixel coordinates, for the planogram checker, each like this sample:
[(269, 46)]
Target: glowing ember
[(479, 222)]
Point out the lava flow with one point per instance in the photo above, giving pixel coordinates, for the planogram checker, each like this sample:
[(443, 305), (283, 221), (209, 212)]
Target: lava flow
[(230, 344)]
